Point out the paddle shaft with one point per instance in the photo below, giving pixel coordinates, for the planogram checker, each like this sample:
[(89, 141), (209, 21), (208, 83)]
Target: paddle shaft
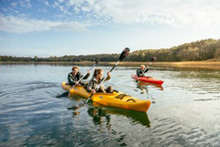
[(87, 73), (102, 81), (107, 76), (150, 63)]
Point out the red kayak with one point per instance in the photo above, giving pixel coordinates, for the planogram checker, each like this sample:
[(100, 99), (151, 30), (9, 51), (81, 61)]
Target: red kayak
[(147, 79)]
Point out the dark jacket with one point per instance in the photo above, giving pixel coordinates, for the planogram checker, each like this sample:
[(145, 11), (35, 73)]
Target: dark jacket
[(140, 72), (73, 79)]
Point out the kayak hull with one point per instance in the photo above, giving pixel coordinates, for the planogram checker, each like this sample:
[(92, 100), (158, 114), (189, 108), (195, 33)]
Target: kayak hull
[(115, 99), (147, 79)]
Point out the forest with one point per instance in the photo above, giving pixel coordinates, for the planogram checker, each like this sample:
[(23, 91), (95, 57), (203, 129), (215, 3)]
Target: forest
[(195, 51)]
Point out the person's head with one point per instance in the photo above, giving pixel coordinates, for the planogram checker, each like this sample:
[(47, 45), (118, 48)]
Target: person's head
[(75, 69), (142, 67), (98, 73)]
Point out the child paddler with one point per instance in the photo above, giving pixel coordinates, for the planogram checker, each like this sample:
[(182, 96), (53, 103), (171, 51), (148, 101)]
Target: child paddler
[(96, 80)]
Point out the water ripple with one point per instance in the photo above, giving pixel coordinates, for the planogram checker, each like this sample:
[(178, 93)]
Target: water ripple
[(186, 112)]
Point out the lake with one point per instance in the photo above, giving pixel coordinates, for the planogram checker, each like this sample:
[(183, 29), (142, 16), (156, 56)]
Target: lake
[(185, 110)]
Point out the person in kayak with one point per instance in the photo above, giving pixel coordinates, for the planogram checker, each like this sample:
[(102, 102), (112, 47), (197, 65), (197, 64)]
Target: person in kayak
[(142, 71), (75, 76), (96, 80)]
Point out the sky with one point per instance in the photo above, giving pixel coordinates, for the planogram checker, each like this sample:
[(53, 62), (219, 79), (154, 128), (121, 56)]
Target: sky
[(47, 28)]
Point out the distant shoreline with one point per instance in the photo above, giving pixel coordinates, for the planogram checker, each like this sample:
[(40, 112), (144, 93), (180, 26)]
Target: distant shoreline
[(187, 64)]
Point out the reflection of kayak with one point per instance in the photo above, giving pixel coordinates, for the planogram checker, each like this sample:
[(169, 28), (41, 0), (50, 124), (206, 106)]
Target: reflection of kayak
[(158, 86), (147, 79), (115, 99), (139, 117)]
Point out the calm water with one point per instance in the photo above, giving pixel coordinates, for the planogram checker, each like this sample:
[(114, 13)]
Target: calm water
[(184, 112)]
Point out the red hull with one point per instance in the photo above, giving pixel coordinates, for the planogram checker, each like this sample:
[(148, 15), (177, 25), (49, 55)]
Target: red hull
[(147, 79)]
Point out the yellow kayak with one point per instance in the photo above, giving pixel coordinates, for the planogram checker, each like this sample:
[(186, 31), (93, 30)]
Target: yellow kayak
[(115, 99)]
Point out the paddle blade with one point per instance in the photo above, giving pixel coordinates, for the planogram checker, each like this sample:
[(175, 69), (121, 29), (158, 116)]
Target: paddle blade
[(96, 61), (153, 59), (124, 53)]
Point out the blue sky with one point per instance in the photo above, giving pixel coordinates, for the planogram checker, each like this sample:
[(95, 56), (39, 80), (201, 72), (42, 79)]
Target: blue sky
[(46, 28)]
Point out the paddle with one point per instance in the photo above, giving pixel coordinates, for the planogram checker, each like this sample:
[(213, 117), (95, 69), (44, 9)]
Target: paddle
[(124, 53), (152, 60), (67, 92)]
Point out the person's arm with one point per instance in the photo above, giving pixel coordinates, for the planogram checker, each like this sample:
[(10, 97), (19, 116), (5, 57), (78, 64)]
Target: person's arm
[(87, 75), (70, 79), (138, 72), (90, 85), (146, 70), (108, 76)]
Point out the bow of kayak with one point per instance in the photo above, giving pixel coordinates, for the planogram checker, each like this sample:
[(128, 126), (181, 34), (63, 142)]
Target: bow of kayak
[(147, 79), (115, 99)]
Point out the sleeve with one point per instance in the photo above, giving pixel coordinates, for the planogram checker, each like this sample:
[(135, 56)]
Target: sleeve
[(138, 72), (108, 77), (146, 70), (79, 76), (89, 86), (87, 75), (70, 80)]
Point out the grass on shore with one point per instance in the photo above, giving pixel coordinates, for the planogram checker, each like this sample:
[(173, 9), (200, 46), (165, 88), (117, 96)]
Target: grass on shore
[(189, 64)]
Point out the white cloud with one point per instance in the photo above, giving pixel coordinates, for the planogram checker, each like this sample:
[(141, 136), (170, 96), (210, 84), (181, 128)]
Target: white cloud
[(60, 1), (56, 4), (14, 4), (194, 13), (198, 14), (21, 25), (46, 2), (25, 3)]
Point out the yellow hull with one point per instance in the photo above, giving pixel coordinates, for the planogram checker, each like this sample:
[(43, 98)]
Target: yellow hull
[(115, 99)]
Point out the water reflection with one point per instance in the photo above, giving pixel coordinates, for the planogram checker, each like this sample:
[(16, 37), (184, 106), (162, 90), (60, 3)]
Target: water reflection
[(100, 117), (99, 112), (144, 87)]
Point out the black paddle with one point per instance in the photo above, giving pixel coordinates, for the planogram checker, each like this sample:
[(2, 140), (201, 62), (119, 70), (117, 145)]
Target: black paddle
[(67, 92), (124, 53), (152, 60)]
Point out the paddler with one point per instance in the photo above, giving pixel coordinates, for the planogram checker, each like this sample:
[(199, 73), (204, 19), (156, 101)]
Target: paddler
[(75, 76), (142, 71), (96, 80)]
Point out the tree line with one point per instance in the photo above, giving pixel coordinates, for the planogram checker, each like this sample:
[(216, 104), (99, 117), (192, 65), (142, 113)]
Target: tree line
[(194, 51)]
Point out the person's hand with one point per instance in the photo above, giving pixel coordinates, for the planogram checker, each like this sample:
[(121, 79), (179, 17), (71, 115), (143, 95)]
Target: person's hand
[(109, 73), (77, 83), (147, 66), (93, 91), (88, 71)]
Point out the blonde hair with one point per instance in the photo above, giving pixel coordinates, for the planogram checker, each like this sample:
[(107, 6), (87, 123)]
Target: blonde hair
[(143, 65)]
